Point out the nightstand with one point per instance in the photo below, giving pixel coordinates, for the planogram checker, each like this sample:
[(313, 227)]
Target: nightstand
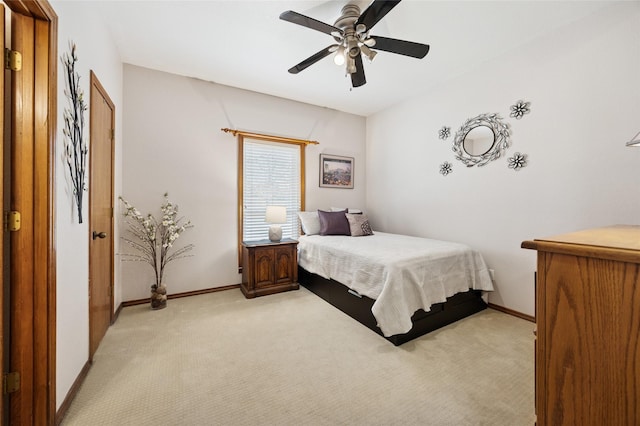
[(269, 267)]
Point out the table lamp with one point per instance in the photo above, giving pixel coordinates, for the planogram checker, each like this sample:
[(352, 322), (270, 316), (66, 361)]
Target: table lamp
[(276, 215)]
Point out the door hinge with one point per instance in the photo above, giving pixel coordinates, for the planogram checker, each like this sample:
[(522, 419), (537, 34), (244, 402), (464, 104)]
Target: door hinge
[(113, 134), (11, 382), (12, 221), (12, 60)]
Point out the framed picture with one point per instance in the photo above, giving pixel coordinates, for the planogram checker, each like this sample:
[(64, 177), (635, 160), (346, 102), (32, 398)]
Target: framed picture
[(336, 171)]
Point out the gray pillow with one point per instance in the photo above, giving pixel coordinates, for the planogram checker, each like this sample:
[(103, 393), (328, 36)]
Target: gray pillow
[(333, 223), (359, 225)]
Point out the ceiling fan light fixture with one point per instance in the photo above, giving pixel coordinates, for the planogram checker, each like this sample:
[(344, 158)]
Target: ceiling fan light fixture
[(338, 58), (370, 54)]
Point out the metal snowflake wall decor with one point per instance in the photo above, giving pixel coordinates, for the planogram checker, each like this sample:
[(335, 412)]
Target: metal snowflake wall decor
[(520, 109), (446, 168), (518, 161), (444, 133)]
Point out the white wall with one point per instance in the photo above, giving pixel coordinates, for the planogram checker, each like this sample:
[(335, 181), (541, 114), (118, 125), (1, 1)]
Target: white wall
[(173, 143), (96, 52), (582, 82)]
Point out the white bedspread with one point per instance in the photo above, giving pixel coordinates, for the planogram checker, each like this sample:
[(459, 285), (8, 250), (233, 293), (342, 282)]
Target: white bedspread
[(402, 273)]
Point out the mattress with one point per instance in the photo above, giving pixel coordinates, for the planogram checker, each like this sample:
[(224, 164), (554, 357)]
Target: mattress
[(401, 273)]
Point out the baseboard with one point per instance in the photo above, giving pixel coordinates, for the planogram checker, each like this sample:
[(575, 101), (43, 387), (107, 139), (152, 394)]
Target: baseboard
[(185, 294), (512, 312), (116, 314), (62, 411)]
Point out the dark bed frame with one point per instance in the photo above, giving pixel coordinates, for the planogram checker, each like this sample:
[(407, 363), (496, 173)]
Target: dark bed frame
[(358, 307)]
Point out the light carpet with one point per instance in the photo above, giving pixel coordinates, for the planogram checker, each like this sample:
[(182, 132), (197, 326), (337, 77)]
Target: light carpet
[(293, 359)]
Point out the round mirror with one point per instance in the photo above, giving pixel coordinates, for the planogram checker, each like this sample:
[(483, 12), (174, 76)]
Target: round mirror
[(478, 141), (481, 139)]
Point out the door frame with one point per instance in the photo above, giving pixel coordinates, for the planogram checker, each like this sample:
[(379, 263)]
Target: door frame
[(95, 84), (42, 402)]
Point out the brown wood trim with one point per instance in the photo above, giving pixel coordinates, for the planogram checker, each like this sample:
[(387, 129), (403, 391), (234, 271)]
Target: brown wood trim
[(4, 299), (240, 199), (185, 294), (38, 9), (52, 18), (73, 391), (44, 333), (512, 312)]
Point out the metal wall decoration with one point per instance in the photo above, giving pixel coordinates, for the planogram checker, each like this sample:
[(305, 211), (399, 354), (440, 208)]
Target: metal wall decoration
[(75, 145), (520, 109), (444, 133), (518, 161), (498, 145), (446, 168), (485, 138)]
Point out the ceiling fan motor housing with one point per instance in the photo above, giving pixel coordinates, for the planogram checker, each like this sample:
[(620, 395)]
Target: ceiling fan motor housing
[(350, 14), (346, 22)]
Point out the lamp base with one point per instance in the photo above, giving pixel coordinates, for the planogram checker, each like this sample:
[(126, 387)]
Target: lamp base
[(275, 233)]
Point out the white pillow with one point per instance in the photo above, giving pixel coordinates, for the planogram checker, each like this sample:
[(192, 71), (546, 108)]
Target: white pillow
[(339, 209), (310, 222)]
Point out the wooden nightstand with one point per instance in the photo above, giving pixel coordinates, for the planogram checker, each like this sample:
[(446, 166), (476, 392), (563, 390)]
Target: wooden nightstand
[(269, 267)]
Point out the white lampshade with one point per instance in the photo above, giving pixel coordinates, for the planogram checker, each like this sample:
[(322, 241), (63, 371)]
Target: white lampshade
[(276, 215)]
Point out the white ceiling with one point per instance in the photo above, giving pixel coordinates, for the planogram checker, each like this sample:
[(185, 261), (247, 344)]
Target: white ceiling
[(244, 44)]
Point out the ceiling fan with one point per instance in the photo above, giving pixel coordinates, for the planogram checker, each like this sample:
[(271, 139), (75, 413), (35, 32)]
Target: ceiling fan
[(351, 33)]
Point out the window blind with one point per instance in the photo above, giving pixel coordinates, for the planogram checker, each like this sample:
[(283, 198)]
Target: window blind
[(271, 177)]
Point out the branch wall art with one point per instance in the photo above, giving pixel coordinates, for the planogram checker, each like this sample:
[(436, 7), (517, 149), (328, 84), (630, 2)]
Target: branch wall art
[(75, 145)]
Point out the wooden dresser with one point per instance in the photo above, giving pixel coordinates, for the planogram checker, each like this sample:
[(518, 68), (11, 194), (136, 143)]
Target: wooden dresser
[(269, 267), (588, 327)]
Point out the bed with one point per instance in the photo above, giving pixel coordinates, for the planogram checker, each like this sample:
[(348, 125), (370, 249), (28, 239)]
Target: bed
[(398, 286)]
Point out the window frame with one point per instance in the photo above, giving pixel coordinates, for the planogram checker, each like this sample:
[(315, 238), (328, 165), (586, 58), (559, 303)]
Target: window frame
[(302, 144)]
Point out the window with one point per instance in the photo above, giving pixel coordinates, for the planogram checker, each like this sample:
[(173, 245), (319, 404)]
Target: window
[(270, 172), (271, 178)]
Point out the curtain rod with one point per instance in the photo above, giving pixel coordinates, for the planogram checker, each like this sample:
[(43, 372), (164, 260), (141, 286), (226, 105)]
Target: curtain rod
[(269, 137)]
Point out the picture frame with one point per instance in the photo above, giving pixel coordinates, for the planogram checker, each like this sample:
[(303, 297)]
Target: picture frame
[(336, 171)]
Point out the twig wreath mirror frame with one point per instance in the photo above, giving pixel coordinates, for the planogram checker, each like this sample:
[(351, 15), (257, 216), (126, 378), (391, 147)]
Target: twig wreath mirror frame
[(75, 145), (500, 142)]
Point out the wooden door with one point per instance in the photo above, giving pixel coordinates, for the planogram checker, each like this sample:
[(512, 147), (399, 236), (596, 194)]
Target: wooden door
[(22, 173), (100, 214)]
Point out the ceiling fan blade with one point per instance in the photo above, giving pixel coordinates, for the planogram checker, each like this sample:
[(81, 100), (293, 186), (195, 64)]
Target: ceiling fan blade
[(305, 21), (312, 59), (401, 47), (357, 78), (376, 12)]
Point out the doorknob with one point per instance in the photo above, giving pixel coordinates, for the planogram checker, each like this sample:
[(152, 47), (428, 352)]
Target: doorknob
[(99, 235)]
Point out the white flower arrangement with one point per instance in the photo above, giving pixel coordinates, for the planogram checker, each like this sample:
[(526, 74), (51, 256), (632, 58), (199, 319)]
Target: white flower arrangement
[(153, 239)]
